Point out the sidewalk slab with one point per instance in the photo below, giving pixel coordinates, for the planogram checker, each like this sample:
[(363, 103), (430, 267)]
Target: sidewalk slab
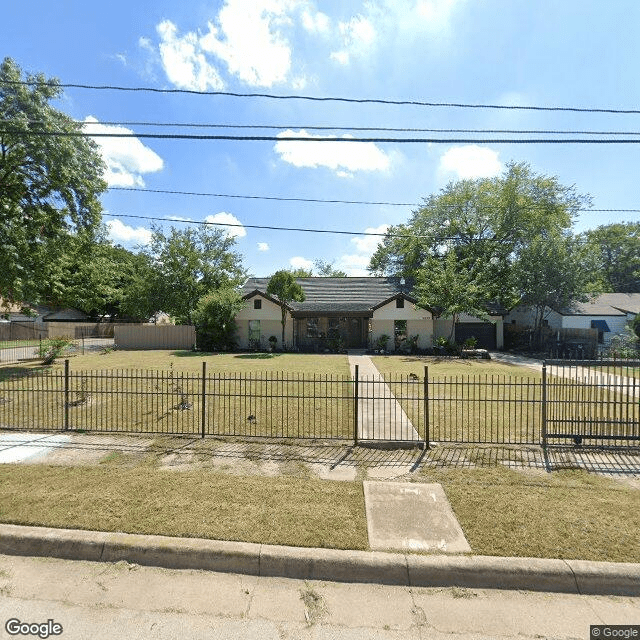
[(410, 516)]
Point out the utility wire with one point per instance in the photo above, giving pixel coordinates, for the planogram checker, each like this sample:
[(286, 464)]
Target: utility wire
[(323, 201), (180, 136), (276, 198), (258, 226), (418, 103), (206, 125)]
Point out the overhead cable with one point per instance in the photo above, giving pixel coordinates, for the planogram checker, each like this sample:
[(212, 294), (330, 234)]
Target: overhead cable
[(179, 136), (387, 101)]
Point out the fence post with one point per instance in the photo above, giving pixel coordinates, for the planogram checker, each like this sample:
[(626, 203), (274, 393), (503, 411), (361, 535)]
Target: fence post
[(66, 394), (427, 435), (204, 397), (355, 408), (544, 405)]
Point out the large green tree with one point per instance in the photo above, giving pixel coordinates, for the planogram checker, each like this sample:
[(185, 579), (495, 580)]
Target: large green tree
[(616, 256), (49, 186), (283, 286), (184, 265), (485, 222)]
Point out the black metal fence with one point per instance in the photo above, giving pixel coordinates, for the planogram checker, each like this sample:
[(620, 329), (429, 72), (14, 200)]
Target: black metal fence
[(581, 403)]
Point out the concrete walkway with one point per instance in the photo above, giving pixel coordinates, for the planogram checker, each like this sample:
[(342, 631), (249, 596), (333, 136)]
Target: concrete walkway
[(380, 416)]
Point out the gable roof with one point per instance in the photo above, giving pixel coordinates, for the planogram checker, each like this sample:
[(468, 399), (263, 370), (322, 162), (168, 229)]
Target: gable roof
[(606, 304), (325, 294)]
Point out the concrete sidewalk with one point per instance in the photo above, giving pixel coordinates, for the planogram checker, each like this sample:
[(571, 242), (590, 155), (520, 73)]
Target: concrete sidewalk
[(380, 416), (532, 574)]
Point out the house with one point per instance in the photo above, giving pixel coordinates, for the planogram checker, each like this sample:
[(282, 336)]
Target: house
[(349, 313), (607, 313)]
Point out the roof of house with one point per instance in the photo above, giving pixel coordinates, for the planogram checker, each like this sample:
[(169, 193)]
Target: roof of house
[(348, 295), (324, 294), (606, 304)]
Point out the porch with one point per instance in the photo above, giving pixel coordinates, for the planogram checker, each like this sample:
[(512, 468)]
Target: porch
[(333, 333)]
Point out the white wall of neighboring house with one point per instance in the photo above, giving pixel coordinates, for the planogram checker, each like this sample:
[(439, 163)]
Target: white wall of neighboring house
[(419, 322), (524, 316), (615, 323), (270, 318)]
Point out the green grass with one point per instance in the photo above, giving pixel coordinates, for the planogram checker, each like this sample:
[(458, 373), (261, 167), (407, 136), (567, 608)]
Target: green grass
[(191, 361), (567, 514), (440, 367), (9, 344), (161, 392), (204, 504), (468, 400)]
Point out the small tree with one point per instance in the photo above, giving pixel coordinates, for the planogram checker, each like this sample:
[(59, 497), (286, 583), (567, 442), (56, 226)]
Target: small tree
[(283, 286), (214, 316), (448, 287)]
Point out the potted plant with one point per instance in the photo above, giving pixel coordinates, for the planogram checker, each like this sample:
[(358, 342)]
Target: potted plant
[(272, 342), (381, 343)]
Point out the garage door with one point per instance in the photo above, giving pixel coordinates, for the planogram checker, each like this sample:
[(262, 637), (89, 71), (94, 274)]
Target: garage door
[(483, 332)]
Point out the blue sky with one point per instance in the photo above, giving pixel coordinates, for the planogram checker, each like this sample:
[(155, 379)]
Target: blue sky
[(569, 53)]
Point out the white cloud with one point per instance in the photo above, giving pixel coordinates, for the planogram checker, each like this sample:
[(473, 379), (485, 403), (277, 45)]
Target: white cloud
[(263, 246), (184, 60), (247, 37), (120, 232), (127, 159), (471, 161), (228, 218), (368, 244), (298, 262), (316, 22), (358, 36), (355, 264), (437, 13), (341, 157)]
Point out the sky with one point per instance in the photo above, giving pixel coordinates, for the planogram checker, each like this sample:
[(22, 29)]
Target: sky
[(508, 52)]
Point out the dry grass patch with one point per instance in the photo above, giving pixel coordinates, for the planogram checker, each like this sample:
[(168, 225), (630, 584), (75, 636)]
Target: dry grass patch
[(440, 367), (568, 514), (204, 504), (274, 395)]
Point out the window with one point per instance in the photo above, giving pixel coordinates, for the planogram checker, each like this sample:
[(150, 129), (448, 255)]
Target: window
[(254, 331), (399, 303), (312, 328), (257, 303), (399, 332)]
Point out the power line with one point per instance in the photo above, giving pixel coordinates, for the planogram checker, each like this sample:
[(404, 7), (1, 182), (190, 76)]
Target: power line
[(276, 198), (257, 226), (179, 136), (321, 200), (206, 125), (418, 103)]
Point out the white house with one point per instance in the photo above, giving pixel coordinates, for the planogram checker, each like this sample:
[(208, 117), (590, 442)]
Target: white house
[(608, 313), (352, 313)]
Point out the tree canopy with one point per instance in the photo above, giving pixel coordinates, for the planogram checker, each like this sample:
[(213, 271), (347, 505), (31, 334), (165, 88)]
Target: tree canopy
[(49, 186), (615, 249), (486, 222), (184, 265)]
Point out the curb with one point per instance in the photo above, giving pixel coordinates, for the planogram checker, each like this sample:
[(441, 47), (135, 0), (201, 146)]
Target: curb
[(479, 572)]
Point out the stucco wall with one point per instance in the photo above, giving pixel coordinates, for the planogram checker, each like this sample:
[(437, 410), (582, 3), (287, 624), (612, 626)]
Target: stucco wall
[(270, 318), (419, 323)]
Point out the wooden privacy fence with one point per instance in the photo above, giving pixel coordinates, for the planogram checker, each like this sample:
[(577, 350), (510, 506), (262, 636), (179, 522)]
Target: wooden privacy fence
[(557, 407), (154, 336)]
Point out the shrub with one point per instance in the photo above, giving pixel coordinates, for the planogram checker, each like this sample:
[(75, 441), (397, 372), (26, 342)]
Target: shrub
[(52, 349)]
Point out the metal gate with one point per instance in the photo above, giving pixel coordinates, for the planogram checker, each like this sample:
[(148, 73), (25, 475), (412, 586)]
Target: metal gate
[(593, 402)]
